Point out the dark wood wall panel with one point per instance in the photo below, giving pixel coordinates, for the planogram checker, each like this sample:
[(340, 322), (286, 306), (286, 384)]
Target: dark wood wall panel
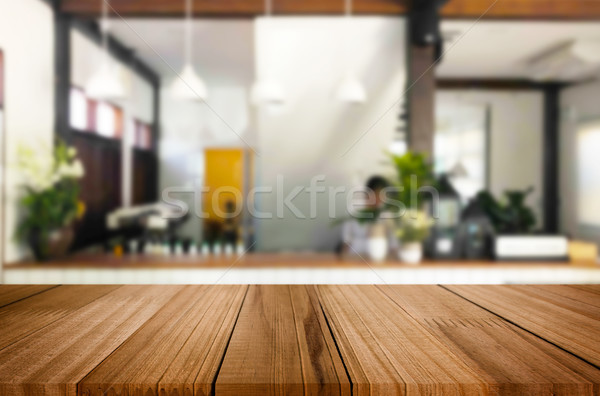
[(100, 187), (145, 177), (491, 9)]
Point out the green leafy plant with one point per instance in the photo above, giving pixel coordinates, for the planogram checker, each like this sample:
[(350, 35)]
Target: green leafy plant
[(413, 172), (50, 190), (510, 216)]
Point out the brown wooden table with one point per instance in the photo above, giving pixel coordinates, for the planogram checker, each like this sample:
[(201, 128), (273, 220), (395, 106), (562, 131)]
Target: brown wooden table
[(279, 339)]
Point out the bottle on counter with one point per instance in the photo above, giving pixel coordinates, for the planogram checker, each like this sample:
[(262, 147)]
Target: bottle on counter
[(178, 248), (228, 250), (148, 248), (205, 250), (133, 246), (193, 249), (166, 249), (217, 250), (240, 248)]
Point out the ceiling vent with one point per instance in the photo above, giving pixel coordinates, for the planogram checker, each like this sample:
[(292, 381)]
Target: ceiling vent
[(573, 61)]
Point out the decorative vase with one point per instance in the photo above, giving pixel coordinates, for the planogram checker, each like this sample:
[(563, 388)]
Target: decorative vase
[(411, 253), (52, 245), (377, 244)]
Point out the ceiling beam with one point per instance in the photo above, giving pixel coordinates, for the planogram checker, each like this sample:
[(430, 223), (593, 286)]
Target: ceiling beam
[(487, 9), (233, 8)]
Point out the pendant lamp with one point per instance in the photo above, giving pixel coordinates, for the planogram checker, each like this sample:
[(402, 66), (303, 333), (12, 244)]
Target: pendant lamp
[(188, 85), (105, 82), (266, 90), (350, 90)]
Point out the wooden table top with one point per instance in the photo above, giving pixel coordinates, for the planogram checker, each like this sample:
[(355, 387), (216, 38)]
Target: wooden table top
[(264, 260), (295, 340)]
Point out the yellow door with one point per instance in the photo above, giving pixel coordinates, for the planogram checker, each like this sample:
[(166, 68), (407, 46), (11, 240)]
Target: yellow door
[(224, 178)]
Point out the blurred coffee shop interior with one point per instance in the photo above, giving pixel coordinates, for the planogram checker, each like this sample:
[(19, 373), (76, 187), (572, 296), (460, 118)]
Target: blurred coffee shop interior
[(114, 113)]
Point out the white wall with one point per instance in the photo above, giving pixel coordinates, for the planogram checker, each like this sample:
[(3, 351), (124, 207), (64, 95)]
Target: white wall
[(516, 139), (188, 128), (310, 134), (27, 39), (578, 104)]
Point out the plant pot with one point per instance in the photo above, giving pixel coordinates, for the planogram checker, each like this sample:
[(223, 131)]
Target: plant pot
[(377, 245), (411, 253), (51, 245)]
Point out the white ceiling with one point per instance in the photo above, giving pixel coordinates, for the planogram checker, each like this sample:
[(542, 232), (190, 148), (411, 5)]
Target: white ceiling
[(498, 49), (223, 49)]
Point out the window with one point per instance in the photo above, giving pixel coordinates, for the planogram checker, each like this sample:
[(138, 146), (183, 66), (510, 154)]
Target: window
[(588, 182), (88, 115), (78, 111), (460, 146), (105, 120), (143, 135)]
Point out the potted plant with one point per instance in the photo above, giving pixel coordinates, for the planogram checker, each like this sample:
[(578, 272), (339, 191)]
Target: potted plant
[(50, 180), (413, 229), (413, 172)]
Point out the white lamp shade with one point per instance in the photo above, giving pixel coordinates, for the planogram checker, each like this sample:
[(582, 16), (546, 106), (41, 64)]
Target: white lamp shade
[(188, 85), (351, 91), (267, 92), (105, 84)]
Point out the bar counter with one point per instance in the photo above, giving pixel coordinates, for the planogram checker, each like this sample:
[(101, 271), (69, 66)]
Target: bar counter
[(288, 268)]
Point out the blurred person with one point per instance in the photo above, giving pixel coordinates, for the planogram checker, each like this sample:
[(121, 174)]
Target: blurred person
[(356, 232)]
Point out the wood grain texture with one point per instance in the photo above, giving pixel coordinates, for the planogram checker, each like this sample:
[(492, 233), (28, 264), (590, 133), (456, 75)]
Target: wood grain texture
[(24, 317), (161, 346), (588, 288), (194, 369), (12, 293), (511, 360), (569, 323), (53, 360), (281, 345), (387, 352), (300, 340)]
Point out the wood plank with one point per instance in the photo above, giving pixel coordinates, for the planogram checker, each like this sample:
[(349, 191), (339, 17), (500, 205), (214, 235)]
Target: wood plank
[(571, 330), (489, 9), (582, 301), (12, 293), (511, 360), (281, 345), (588, 288), (387, 352), (161, 346), (194, 369), (24, 317), (53, 360)]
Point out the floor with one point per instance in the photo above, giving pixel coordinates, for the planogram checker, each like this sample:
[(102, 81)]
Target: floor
[(298, 339)]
